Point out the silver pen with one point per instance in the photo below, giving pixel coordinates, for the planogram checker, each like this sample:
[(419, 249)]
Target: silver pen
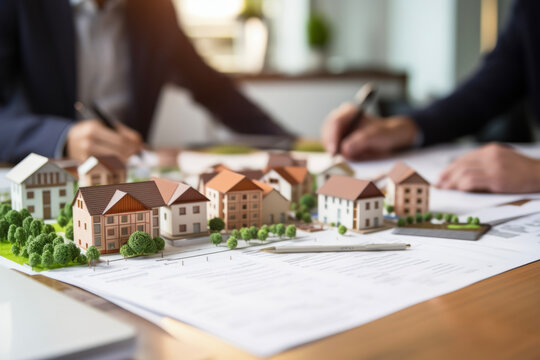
[(335, 248)]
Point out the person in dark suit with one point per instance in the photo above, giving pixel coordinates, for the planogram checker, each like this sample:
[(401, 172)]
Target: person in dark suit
[(117, 54), (510, 73)]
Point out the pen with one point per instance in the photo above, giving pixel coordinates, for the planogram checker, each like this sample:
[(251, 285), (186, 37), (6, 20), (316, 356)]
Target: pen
[(362, 99), (86, 113), (335, 248)]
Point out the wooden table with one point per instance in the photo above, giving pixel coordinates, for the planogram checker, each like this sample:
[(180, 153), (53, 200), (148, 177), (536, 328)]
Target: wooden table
[(495, 318)]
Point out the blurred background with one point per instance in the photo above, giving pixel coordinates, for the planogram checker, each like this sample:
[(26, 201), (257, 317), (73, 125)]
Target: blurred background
[(298, 59)]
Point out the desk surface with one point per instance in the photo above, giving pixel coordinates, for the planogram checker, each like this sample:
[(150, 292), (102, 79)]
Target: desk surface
[(498, 317)]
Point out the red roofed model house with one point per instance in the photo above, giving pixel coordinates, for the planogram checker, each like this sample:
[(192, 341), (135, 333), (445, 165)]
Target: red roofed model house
[(235, 199), (105, 216), (102, 170), (357, 204), (291, 181), (185, 210), (407, 191)]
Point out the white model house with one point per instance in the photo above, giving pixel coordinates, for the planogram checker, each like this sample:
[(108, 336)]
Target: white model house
[(41, 186), (357, 204), (185, 210), (291, 181), (340, 168)]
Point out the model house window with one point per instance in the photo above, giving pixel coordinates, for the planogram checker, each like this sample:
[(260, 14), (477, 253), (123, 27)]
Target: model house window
[(30, 195), (418, 201), (31, 208), (183, 228), (244, 207), (57, 178), (407, 190), (96, 219), (282, 217), (244, 216), (255, 197), (196, 209), (97, 241), (232, 217), (110, 232), (97, 229), (155, 211), (418, 191), (140, 217), (254, 215), (62, 205), (325, 206), (39, 179), (110, 219), (182, 211), (407, 201), (232, 207), (274, 181), (255, 206), (94, 179), (140, 227), (125, 230), (418, 211), (79, 223), (110, 246), (164, 216), (406, 211), (233, 198), (367, 205), (62, 192), (84, 226), (376, 205), (367, 222), (244, 197), (124, 218)]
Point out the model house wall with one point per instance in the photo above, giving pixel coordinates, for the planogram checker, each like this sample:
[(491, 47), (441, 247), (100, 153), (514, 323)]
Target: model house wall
[(40, 186), (407, 191), (275, 206), (102, 170), (342, 169), (292, 182)]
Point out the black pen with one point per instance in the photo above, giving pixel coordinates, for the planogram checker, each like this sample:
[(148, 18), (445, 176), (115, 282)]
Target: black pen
[(96, 112)]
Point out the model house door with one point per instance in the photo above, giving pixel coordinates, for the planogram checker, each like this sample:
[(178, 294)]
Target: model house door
[(338, 216), (271, 220), (196, 228), (47, 204), (376, 222)]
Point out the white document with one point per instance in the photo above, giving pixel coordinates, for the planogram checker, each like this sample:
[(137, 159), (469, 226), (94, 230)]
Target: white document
[(266, 303)]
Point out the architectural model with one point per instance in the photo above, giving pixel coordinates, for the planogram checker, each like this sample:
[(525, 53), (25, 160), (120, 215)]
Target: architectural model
[(105, 216), (407, 191), (40, 186), (356, 204), (291, 181), (234, 198), (274, 206), (206, 177), (102, 170), (340, 168), (184, 213)]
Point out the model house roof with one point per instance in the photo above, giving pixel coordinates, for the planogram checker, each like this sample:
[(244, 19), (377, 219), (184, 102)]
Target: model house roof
[(28, 166), (111, 163), (342, 165), (292, 174), (101, 198), (250, 174), (282, 159), (401, 173), (349, 188), (174, 192), (227, 181)]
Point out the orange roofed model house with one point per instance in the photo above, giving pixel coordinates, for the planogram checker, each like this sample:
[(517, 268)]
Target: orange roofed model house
[(105, 216), (235, 199), (102, 170), (407, 191), (357, 204), (291, 181), (185, 210)]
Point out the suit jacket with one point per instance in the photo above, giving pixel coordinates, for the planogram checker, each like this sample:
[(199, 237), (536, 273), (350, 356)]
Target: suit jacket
[(37, 59), (510, 73)]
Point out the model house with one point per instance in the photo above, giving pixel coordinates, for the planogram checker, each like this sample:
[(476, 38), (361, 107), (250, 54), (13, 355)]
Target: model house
[(184, 213), (234, 198), (282, 159), (291, 181), (274, 205), (407, 191), (41, 186), (340, 168), (206, 177), (105, 216), (102, 170), (357, 204)]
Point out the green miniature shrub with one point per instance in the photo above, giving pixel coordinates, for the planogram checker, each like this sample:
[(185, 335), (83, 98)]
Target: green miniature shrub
[(262, 235), (61, 254), (308, 201), (4, 208), (235, 233), (20, 236), (126, 251), (26, 224), (15, 249), (150, 247), (69, 232), (342, 229), (48, 247), (455, 219), (401, 222), (11, 233), (280, 230), (448, 218), (439, 216), (160, 243), (49, 238), (139, 241), (216, 224), (93, 254), (389, 209), (74, 250), (23, 252), (14, 217), (36, 246), (253, 230), (298, 215), (418, 218), (47, 229), (62, 221), (246, 234), (265, 227), (294, 206), (34, 259), (25, 214), (35, 227), (4, 228), (428, 217), (232, 242), (306, 218), (475, 221), (58, 241), (82, 259), (68, 211), (290, 231), (469, 220), (216, 238), (332, 224), (409, 219), (272, 229), (47, 259)]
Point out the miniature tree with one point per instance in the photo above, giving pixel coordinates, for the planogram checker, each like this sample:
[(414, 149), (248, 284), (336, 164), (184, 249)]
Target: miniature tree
[(23, 252), (160, 243), (26, 224), (141, 243), (290, 231), (61, 254), (448, 218), (235, 233), (262, 235), (74, 250), (68, 211), (11, 233), (14, 217), (36, 246), (475, 221), (216, 224), (272, 228), (428, 216), (232, 242), (332, 224), (93, 254), (306, 218), (253, 231), (401, 222), (265, 227), (469, 220), (34, 260), (35, 227), (246, 234), (389, 209), (439, 216), (280, 230), (58, 241), (62, 221), (20, 236), (409, 219), (47, 259), (25, 214), (47, 229), (216, 238), (48, 247), (69, 232), (308, 201), (418, 218), (150, 246), (82, 259), (298, 215), (4, 228), (4, 208), (294, 206), (342, 229), (126, 251), (455, 219), (15, 249)]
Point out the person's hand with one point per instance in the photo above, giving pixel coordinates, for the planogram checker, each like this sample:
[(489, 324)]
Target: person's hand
[(375, 137), (91, 137), (494, 168)]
